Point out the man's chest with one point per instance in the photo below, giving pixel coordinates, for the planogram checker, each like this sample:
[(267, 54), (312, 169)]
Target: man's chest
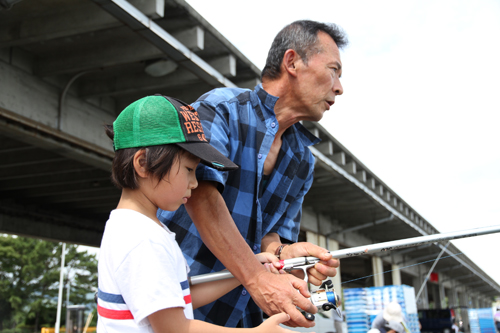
[(272, 157)]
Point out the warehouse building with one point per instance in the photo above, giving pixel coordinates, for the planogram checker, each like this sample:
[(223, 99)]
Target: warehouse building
[(69, 67)]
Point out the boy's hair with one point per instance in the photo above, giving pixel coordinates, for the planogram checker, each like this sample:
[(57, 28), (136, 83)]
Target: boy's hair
[(159, 161)]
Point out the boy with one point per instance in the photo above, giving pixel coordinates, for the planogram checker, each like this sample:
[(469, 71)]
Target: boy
[(143, 283)]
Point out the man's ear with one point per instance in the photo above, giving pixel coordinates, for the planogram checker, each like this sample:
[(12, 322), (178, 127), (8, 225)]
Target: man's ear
[(140, 163), (290, 62)]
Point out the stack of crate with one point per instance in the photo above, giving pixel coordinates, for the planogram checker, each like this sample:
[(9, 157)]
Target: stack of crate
[(481, 320), (362, 305), (355, 310)]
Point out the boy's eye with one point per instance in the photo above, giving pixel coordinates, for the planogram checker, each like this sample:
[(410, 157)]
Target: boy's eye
[(189, 169)]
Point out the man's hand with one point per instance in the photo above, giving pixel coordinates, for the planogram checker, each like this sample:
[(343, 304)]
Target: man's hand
[(282, 293), (322, 270)]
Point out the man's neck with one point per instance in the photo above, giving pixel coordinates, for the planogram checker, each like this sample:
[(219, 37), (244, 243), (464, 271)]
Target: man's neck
[(283, 110)]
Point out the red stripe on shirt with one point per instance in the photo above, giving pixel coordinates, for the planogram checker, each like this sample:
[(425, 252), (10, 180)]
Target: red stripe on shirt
[(114, 314), (187, 299)]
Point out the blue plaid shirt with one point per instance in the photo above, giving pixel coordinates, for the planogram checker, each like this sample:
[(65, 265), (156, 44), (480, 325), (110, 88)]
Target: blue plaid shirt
[(242, 125)]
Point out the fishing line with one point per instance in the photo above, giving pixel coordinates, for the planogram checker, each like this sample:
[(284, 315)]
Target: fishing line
[(420, 263)]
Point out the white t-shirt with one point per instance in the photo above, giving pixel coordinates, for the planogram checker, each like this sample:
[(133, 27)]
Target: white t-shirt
[(141, 270)]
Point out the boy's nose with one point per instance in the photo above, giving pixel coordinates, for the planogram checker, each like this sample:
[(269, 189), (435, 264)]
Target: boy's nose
[(194, 183)]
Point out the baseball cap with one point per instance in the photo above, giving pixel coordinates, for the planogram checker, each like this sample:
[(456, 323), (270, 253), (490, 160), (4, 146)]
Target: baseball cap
[(161, 120)]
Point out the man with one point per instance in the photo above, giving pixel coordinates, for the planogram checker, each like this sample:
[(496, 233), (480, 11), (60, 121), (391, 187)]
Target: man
[(390, 320), (496, 318), (256, 207)]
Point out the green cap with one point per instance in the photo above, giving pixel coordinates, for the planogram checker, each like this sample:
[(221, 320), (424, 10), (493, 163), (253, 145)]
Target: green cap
[(161, 120)]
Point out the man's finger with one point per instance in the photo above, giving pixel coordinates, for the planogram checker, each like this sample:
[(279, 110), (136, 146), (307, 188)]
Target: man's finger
[(297, 318), (328, 266), (315, 278), (300, 285), (321, 272)]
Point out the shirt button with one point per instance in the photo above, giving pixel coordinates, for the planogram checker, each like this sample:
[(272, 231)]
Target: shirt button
[(244, 292), (273, 125), (255, 247), (259, 156)]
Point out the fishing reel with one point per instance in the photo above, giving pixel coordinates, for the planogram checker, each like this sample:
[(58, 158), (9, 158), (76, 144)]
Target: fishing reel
[(324, 299)]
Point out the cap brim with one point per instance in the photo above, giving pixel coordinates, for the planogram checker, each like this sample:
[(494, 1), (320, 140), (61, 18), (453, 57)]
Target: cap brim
[(209, 155)]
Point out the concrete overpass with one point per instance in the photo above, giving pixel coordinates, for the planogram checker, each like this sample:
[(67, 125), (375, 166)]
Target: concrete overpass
[(69, 67)]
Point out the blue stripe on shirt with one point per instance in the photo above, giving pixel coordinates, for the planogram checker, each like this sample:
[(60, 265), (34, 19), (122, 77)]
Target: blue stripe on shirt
[(111, 298)]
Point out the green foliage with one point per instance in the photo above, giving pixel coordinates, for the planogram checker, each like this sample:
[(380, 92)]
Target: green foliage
[(29, 280)]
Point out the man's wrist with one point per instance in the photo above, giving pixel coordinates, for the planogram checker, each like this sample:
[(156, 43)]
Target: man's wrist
[(279, 250)]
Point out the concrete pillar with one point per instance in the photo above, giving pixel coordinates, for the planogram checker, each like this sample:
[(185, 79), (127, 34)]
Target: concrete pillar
[(396, 275), (333, 245), (454, 303), (463, 299), (378, 271), (480, 302), (434, 291), (316, 239), (423, 300), (488, 303), (442, 296), (474, 301)]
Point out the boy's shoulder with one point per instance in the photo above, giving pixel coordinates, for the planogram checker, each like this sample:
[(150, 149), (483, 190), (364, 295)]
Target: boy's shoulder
[(125, 229)]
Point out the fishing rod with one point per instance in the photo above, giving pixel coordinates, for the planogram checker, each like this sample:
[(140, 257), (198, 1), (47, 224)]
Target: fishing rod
[(303, 263)]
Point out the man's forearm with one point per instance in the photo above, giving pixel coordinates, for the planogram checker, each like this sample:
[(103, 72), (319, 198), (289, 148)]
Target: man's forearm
[(209, 212), (273, 293)]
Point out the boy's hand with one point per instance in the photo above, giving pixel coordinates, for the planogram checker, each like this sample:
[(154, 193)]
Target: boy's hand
[(272, 324), (271, 262)]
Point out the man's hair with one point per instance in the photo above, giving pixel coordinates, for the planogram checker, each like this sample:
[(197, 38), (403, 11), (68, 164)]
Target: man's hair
[(159, 161), (301, 36)]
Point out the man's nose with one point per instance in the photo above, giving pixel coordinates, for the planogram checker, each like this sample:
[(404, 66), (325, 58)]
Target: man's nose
[(337, 87)]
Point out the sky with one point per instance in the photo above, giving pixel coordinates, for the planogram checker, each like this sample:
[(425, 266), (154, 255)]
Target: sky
[(420, 107)]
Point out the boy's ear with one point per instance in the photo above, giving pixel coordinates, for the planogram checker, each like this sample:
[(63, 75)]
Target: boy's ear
[(140, 163)]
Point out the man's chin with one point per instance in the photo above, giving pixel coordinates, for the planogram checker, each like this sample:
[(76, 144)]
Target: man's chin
[(320, 116)]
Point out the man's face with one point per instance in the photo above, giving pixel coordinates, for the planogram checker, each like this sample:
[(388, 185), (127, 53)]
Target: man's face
[(318, 81)]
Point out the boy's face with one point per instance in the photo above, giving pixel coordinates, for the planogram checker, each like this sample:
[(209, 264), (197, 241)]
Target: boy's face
[(175, 188)]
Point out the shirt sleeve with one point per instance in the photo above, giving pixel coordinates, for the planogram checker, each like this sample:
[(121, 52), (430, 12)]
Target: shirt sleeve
[(288, 226), (378, 322), (215, 126), (148, 281)]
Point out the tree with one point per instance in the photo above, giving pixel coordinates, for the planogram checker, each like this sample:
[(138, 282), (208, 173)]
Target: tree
[(29, 279)]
